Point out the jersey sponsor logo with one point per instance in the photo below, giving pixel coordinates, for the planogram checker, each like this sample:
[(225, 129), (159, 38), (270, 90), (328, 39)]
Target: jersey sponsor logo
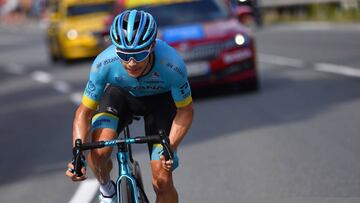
[(91, 94), (146, 87), (109, 61), (91, 86), (186, 95), (155, 75), (111, 110), (184, 88), (90, 90), (104, 63), (154, 82), (176, 69)]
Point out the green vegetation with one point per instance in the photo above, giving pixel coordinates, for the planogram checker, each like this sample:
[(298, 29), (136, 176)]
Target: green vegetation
[(312, 12)]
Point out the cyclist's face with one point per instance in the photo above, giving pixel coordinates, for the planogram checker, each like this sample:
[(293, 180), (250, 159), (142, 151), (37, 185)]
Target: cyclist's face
[(136, 69)]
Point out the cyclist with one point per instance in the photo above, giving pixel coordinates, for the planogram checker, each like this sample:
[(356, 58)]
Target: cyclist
[(136, 75)]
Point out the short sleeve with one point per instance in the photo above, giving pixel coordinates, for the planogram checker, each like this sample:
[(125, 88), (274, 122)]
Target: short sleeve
[(94, 87), (180, 90)]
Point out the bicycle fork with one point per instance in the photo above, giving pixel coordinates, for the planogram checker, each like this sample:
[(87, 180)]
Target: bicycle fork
[(126, 171)]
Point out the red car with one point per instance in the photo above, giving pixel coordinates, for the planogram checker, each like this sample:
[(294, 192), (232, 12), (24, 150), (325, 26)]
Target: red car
[(215, 46)]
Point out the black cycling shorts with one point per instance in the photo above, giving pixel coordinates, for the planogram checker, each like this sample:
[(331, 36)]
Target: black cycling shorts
[(117, 108)]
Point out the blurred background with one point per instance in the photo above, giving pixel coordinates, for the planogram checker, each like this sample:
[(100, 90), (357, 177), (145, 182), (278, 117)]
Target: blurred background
[(275, 84)]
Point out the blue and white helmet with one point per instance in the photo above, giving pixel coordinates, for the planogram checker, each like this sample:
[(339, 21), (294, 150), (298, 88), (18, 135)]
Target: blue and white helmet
[(133, 30)]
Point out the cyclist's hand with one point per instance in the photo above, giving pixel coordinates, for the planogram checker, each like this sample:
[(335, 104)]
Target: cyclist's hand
[(167, 165), (70, 173)]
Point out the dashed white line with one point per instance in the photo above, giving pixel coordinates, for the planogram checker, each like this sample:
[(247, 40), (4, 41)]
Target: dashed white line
[(46, 78), (62, 87), (85, 192), (41, 76), (280, 60), (338, 69), (322, 67), (13, 68), (76, 97)]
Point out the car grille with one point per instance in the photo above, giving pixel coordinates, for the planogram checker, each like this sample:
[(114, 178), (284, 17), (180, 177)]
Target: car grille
[(207, 51), (233, 69)]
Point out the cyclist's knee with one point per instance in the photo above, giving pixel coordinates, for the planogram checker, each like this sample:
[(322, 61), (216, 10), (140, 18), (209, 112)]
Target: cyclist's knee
[(99, 156), (162, 184)]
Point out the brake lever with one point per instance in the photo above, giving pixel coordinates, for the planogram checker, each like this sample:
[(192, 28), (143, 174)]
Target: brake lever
[(165, 142)]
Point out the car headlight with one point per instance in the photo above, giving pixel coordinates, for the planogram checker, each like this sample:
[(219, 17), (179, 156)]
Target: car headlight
[(72, 34), (240, 39)]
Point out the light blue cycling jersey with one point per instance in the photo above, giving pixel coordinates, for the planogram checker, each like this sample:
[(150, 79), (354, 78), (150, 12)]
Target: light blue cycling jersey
[(168, 73)]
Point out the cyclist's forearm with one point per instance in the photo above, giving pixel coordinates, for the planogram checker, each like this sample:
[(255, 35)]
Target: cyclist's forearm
[(181, 125), (82, 123)]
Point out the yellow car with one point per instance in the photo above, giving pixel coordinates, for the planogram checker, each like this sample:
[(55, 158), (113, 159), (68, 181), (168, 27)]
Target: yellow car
[(74, 28)]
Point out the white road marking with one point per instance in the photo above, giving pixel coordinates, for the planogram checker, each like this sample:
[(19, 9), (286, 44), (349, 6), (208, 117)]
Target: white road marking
[(62, 87), (14, 68), (87, 189), (85, 192), (338, 69), (44, 77), (41, 76), (322, 67), (76, 97), (280, 60)]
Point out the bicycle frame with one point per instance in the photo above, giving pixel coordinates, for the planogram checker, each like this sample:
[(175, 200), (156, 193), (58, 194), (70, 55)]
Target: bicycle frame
[(127, 165), (126, 169)]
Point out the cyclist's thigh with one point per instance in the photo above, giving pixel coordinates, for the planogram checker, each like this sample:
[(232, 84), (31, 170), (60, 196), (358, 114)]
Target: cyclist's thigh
[(114, 112), (162, 111)]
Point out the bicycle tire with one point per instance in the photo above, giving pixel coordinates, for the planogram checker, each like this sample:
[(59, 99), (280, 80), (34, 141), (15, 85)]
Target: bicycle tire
[(141, 191), (126, 191)]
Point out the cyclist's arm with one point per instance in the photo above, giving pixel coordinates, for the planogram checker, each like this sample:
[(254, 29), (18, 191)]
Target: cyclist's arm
[(90, 100), (181, 93), (82, 123), (181, 125), (82, 120)]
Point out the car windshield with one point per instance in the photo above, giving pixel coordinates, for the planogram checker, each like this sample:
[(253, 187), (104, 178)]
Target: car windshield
[(187, 12), (88, 9)]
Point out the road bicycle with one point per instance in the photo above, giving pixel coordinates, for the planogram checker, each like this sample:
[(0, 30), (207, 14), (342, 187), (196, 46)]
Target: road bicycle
[(129, 185)]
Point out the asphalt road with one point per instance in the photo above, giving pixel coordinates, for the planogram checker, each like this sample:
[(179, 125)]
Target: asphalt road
[(296, 140)]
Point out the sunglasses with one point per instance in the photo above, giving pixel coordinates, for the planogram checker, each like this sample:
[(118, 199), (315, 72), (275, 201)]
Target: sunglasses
[(137, 56)]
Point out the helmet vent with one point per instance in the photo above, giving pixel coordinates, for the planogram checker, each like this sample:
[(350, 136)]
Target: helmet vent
[(133, 30)]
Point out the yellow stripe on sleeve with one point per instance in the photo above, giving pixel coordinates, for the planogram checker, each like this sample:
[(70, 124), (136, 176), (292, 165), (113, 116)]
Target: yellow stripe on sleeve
[(184, 102), (89, 102), (104, 114)]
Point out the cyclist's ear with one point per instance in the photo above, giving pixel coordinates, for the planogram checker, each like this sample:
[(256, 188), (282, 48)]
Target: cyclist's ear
[(153, 45)]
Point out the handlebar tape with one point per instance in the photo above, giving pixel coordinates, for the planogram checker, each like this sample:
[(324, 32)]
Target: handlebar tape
[(93, 145), (78, 160), (147, 139)]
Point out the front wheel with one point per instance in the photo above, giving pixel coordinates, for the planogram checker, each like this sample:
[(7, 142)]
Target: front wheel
[(126, 191), (142, 196)]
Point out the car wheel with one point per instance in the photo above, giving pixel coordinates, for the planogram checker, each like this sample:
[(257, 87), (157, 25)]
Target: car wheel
[(52, 54)]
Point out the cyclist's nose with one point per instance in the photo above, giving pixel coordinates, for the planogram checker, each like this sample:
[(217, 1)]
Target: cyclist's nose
[(132, 62)]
